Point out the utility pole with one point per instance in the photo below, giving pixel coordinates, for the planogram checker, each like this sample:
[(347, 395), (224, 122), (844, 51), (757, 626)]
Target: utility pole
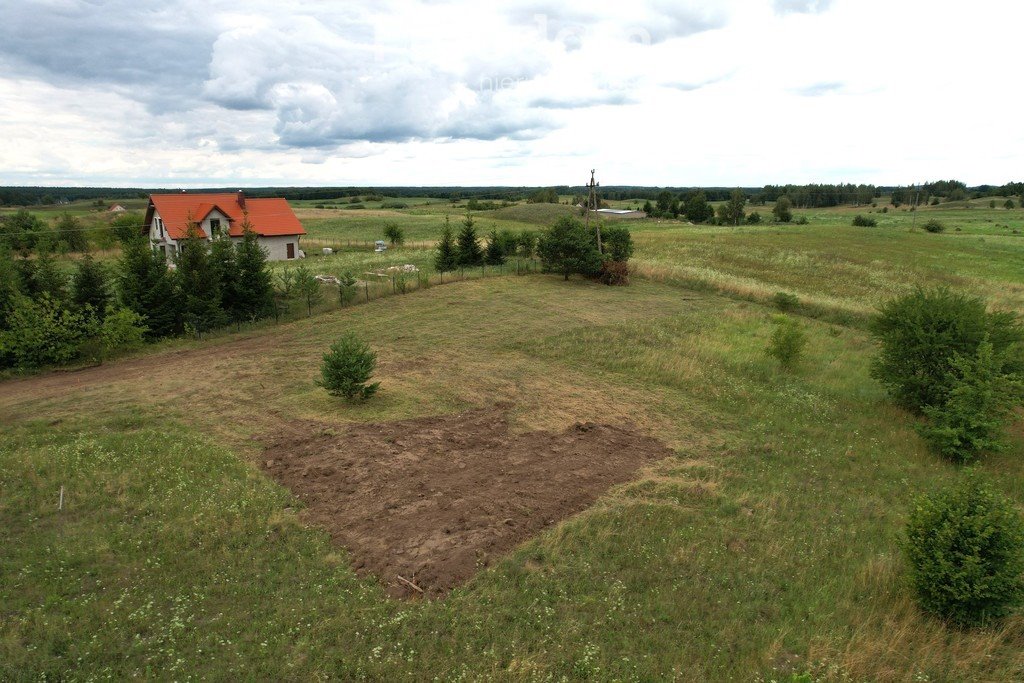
[(592, 203)]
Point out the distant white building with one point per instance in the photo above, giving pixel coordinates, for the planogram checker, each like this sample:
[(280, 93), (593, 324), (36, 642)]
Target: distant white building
[(116, 208), (222, 213)]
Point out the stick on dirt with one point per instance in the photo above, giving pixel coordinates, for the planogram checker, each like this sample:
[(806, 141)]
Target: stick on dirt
[(409, 583)]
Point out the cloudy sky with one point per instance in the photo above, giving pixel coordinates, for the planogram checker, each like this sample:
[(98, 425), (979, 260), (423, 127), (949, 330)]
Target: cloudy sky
[(532, 92)]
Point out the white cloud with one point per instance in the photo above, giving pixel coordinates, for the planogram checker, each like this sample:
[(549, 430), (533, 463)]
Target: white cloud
[(519, 92)]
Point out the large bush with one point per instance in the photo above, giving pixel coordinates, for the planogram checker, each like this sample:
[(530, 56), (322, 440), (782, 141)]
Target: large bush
[(568, 247), (347, 369), (617, 242), (42, 332), (965, 548), (864, 221), (974, 415), (921, 334)]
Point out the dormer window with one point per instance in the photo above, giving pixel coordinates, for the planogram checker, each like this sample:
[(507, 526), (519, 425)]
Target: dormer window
[(215, 227)]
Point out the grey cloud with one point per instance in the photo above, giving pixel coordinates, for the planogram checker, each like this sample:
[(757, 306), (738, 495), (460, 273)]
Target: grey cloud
[(122, 43), (589, 100), (801, 6)]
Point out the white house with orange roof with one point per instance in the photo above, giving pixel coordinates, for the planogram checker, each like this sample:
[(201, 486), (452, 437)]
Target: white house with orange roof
[(219, 214)]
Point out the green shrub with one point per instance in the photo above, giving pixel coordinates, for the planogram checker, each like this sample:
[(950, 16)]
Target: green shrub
[(394, 234), (1009, 204), (568, 247), (934, 226), (802, 220), (753, 218), (864, 221), (783, 210), (347, 369), (392, 204), (784, 301), (787, 343), (965, 549), (921, 333), (975, 414), (42, 332), (617, 242)]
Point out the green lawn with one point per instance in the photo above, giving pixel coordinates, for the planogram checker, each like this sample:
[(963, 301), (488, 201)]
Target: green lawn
[(766, 548)]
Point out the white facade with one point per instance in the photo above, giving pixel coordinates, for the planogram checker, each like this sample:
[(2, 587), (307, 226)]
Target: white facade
[(278, 247)]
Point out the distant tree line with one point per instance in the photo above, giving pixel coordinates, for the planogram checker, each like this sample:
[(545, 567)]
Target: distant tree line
[(815, 195)]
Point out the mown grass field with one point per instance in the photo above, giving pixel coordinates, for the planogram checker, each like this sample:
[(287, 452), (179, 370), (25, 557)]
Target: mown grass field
[(765, 549)]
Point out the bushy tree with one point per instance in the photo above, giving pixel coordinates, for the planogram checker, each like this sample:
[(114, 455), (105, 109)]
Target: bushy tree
[(617, 242), (199, 284), (284, 291), (920, 335), (90, 292), (467, 247), (974, 416), (1009, 204), (148, 288), (255, 291), (965, 550), (42, 331), (732, 210), (783, 209), (864, 221), (526, 243), (121, 330), (787, 342), (495, 253), (21, 230), (394, 234), (934, 226), (10, 284), (447, 258), (753, 218), (348, 368), (696, 208), (127, 227), (70, 232), (568, 247)]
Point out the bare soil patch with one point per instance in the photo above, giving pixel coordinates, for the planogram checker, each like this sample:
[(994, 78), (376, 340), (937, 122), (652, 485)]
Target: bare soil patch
[(423, 504)]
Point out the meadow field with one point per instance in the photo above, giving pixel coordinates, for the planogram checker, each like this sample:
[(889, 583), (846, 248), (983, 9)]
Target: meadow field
[(761, 546)]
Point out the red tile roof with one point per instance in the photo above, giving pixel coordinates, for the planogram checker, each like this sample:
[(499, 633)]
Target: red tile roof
[(268, 217)]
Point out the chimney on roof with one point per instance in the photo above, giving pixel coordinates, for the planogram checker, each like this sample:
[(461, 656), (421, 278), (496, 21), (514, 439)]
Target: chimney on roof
[(241, 199)]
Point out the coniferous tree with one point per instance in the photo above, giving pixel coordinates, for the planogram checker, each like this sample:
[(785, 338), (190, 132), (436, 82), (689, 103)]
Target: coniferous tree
[(199, 283), (446, 259), (467, 250), (223, 259), (495, 254), (568, 247), (255, 288), (307, 287), (43, 276), (89, 288), (147, 287)]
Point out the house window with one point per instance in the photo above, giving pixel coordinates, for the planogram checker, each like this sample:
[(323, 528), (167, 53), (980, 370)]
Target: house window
[(160, 226), (215, 227), (291, 250)]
